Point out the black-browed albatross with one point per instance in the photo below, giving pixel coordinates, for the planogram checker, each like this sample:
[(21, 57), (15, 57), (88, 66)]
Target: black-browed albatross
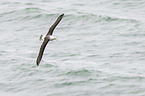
[(47, 38)]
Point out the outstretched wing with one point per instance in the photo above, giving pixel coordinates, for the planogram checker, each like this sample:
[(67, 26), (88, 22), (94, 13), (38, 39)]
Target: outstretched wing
[(46, 40), (54, 25), (42, 50)]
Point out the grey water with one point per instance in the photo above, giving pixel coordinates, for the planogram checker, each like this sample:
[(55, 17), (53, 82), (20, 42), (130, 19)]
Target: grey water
[(100, 49)]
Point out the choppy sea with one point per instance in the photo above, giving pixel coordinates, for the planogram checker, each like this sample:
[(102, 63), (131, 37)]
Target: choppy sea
[(100, 49)]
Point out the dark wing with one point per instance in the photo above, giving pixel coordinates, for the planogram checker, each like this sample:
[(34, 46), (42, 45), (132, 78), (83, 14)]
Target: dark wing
[(42, 50), (54, 25), (46, 40)]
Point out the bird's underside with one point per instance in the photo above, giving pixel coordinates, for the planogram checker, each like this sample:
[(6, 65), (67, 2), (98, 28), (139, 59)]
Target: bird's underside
[(46, 40)]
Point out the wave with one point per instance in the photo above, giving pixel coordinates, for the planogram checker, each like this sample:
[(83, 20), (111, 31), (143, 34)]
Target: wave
[(98, 18), (26, 14), (36, 13)]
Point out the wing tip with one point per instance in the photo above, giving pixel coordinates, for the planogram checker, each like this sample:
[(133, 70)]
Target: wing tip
[(37, 62), (62, 14)]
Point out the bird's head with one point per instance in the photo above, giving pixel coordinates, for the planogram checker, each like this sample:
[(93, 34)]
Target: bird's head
[(55, 39)]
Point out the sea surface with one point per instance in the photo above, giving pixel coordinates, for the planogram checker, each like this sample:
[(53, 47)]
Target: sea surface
[(100, 49)]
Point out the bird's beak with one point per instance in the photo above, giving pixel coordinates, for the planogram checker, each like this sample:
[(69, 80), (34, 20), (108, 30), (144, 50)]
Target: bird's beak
[(56, 39)]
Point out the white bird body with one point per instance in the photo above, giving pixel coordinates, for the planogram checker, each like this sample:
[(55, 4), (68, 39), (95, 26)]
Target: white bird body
[(50, 37)]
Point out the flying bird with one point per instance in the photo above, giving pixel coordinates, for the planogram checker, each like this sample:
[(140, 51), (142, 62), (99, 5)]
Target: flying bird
[(48, 37)]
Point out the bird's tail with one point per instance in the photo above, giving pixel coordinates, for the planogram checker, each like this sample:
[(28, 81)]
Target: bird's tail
[(41, 37)]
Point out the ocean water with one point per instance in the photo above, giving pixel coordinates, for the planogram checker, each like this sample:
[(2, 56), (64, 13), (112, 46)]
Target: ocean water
[(100, 52)]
